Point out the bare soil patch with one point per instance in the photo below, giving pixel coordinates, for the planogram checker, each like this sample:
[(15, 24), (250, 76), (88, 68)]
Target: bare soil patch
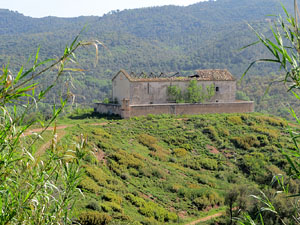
[(212, 149), (204, 219)]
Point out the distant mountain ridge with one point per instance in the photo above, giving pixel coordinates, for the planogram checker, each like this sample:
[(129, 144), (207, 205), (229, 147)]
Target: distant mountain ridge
[(169, 38)]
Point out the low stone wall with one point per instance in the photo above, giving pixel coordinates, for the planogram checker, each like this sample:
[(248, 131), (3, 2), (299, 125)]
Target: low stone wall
[(109, 109), (176, 109), (192, 109)]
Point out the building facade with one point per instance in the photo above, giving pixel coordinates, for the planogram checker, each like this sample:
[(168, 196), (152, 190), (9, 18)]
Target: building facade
[(155, 90), (136, 96)]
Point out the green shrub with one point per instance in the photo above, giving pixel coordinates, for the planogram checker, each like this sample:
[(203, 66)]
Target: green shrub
[(180, 152), (245, 117), (122, 160), (150, 221), (136, 201), (197, 163), (206, 179), (201, 202), (245, 142), (123, 217), (224, 132), (133, 172), (93, 205), (193, 94), (91, 159), (159, 155), (269, 132), (212, 133), (235, 120), (112, 197), (263, 140), (157, 172), (151, 209), (94, 218), (254, 164), (101, 132), (147, 210), (240, 95), (89, 184), (156, 148), (105, 208), (174, 94), (273, 121), (147, 140), (115, 207), (174, 187), (97, 174), (171, 217), (208, 198)]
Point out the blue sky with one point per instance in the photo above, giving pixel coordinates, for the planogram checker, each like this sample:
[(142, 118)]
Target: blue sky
[(73, 8)]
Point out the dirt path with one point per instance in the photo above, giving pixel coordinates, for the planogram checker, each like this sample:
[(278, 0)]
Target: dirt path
[(204, 219), (60, 127), (44, 147), (60, 134), (36, 130)]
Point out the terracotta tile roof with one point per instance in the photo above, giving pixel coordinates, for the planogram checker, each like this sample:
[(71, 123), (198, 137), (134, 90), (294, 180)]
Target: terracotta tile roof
[(205, 75)]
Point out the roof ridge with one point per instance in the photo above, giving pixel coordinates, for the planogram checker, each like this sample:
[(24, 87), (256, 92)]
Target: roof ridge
[(201, 74)]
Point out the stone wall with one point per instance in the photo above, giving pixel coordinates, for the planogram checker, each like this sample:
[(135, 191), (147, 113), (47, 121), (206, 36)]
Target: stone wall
[(127, 111), (192, 109), (120, 88), (156, 92), (109, 109)]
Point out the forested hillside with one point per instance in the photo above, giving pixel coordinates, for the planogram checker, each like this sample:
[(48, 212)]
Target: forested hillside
[(168, 39)]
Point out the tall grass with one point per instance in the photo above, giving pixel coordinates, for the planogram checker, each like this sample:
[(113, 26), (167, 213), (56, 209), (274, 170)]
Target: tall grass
[(35, 190), (284, 46)]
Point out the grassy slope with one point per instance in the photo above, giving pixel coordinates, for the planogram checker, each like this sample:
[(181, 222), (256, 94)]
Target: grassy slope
[(155, 168)]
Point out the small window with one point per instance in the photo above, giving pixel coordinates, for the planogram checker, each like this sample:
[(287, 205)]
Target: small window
[(217, 89), (148, 88)]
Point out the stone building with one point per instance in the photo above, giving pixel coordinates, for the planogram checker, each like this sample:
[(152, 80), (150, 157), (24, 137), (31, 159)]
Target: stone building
[(154, 90), (136, 96)]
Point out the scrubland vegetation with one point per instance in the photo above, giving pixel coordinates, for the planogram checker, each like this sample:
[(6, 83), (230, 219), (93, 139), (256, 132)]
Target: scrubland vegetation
[(168, 170)]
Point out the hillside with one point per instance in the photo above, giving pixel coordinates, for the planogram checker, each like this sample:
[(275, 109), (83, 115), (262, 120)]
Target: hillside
[(168, 39), (165, 169)]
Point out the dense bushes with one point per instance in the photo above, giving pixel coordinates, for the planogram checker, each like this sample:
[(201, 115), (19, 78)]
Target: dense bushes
[(201, 162), (150, 142), (94, 218), (246, 142), (151, 209), (121, 161), (89, 184), (182, 172), (212, 133), (180, 152), (235, 120), (202, 198), (147, 140)]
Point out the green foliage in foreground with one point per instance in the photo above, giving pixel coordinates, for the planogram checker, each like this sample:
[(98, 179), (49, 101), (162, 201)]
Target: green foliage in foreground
[(284, 48), (34, 189), (165, 169)]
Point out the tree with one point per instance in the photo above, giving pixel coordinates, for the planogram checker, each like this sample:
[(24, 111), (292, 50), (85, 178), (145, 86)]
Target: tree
[(193, 94), (35, 190)]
